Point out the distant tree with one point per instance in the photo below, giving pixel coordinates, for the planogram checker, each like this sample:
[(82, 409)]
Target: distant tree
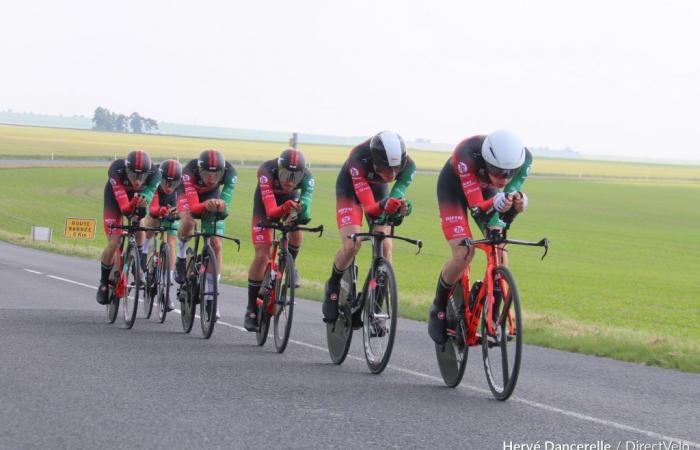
[(103, 119), (136, 123), (121, 124), (150, 124)]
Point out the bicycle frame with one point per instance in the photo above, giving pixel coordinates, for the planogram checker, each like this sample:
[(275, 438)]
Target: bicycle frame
[(377, 238), (493, 247), (280, 246)]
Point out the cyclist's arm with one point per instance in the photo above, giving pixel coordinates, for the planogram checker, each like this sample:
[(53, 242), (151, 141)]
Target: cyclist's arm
[(154, 209), (272, 209), (150, 188), (404, 179), (364, 192), (230, 181), (191, 195), (516, 183), (305, 199)]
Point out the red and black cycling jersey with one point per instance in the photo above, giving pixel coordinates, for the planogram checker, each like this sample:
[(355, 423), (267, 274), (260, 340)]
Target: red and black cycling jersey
[(192, 188), (362, 173), (270, 190), (162, 199), (464, 184), (122, 188), (469, 166)]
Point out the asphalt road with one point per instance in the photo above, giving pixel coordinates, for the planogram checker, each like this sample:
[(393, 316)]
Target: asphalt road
[(70, 380)]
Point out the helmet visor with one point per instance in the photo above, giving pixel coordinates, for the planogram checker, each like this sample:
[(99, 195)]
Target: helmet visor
[(136, 177), (169, 184), (501, 173), (211, 176), (291, 176)]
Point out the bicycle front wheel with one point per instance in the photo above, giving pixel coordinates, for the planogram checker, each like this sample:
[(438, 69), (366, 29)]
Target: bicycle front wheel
[(164, 282), (452, 355), (502, 350), (284, 303), (208, 292), (132, 287), (380, 316)]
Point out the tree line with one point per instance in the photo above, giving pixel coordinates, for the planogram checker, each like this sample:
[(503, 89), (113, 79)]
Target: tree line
[(106, 120)]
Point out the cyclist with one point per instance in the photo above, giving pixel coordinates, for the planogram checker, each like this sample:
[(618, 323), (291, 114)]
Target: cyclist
[(129, 189), (363, 184), (164, 208), (284, 192), (199, 198), (484, 175)]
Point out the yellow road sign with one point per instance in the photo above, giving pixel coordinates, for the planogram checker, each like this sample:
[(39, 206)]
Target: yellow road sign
[(79, 228)]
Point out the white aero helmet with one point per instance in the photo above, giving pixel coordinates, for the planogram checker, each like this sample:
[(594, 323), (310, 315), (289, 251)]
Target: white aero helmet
[(503, 152), (387, 149)]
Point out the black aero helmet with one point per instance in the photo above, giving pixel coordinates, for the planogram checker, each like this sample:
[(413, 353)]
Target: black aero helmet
[(387, 149), (138, 162), (171, 172), (211, 160), (290, 165), (138, 165)]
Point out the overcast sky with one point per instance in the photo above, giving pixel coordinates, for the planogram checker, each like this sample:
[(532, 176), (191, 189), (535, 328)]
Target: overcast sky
[(602, 77)]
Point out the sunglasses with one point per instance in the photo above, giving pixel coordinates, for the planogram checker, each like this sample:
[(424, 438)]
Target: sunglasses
[(140, 177), (502, 173), (293, 176)]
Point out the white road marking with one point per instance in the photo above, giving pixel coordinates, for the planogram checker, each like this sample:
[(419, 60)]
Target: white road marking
[(542, 406), (33, 271), (71, 281)]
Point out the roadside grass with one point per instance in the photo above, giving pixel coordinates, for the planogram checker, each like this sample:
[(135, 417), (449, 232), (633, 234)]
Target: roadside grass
[(619, 281)]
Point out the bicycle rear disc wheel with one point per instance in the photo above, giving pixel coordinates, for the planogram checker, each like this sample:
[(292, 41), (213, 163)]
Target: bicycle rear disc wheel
[(379, 317), (339, 333), (132, 289), (151, 288), (263, 317), (164, 282), (452, 355), (188, 293), (113, 305), (502, 351), (208, 292), (284, 304)]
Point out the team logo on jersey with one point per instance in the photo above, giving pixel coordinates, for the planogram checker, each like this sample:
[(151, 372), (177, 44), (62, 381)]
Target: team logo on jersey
[(112, 181), (459, 229), (234, 180), (344, 210), (453, 219), (345, 219), (312, 182), (354, 172), (259, 237), (263, 179), (462, 167), (185, 177)]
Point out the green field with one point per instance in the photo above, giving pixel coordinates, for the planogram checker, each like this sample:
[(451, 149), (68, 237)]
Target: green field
[(620, 279)]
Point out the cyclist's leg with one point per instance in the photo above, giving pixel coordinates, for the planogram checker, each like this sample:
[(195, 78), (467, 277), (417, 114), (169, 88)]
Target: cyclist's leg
[(349, 219), (380, 191), (294, 245), (111, 216), (183, 233), (262, 239), (455, 227)]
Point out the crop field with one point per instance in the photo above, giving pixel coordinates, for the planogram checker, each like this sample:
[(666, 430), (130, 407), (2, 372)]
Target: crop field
[(38, 142), (620, 279)]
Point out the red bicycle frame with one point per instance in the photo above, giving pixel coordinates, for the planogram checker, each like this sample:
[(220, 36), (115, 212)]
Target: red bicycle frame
[(494, 258)]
